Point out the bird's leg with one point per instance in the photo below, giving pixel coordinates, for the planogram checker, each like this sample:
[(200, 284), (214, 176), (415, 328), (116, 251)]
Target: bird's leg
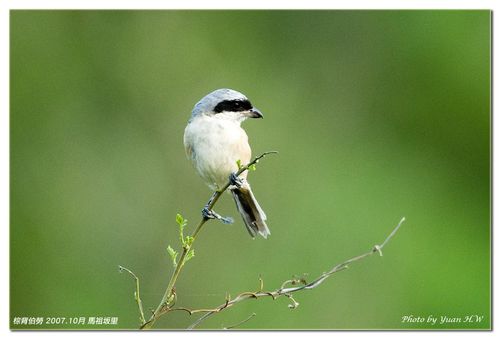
[(210, 214), (211, 199), (234, 180)]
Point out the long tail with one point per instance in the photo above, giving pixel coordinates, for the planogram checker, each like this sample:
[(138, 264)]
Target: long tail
[(253, 216)]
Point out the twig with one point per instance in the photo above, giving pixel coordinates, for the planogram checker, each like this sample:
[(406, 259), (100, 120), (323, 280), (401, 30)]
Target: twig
[(137, 295), (168, 296), (241, 322), (168, 300), (288, 291)]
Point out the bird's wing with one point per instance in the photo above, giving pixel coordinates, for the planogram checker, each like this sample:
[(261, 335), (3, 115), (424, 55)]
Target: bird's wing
[(189, 150)]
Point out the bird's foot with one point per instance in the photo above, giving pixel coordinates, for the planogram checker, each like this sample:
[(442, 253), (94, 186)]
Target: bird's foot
[(234, 180), (210, 214)]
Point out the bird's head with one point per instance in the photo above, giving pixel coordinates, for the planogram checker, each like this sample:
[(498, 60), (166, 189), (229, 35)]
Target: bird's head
[(227, 104)]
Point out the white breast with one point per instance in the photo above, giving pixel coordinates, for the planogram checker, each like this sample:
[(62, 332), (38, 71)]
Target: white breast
[(216, 144)]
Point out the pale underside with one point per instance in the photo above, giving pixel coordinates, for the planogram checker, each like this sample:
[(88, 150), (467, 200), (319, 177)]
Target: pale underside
[(214, 145)]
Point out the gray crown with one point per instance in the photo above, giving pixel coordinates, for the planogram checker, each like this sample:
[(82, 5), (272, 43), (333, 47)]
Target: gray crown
[(208, 102)]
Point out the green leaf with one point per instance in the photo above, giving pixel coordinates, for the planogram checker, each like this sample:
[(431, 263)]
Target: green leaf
[(252, 167), (189, 255), (188, 241), (179, 219), (238, 162), (182, 223), (173, 255)]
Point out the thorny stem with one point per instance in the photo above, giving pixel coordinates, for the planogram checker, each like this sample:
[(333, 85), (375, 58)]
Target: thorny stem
[(169, 295), (168, 300), (288, 291)]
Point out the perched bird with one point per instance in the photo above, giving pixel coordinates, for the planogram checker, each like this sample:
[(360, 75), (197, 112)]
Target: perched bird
[(215, 143)]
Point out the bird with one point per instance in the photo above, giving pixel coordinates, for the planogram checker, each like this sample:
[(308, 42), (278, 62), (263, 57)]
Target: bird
[(216, 144)]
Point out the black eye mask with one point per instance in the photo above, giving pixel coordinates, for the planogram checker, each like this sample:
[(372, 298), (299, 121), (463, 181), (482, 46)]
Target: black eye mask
[(233, 106)]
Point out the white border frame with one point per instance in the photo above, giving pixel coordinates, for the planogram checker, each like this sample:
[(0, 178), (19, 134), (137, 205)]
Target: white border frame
[(7, 5)]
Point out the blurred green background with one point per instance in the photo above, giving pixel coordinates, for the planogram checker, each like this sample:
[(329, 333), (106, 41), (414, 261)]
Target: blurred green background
[(376, 115)]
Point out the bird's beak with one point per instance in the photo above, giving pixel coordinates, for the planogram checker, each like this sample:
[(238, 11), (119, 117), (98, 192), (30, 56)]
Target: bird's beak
[(255, 113)]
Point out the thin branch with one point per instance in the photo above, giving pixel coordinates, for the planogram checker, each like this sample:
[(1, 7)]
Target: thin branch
[(168, 296), (241, 322), (288, 291), (392, 234), (297, 284), (137, 295)]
